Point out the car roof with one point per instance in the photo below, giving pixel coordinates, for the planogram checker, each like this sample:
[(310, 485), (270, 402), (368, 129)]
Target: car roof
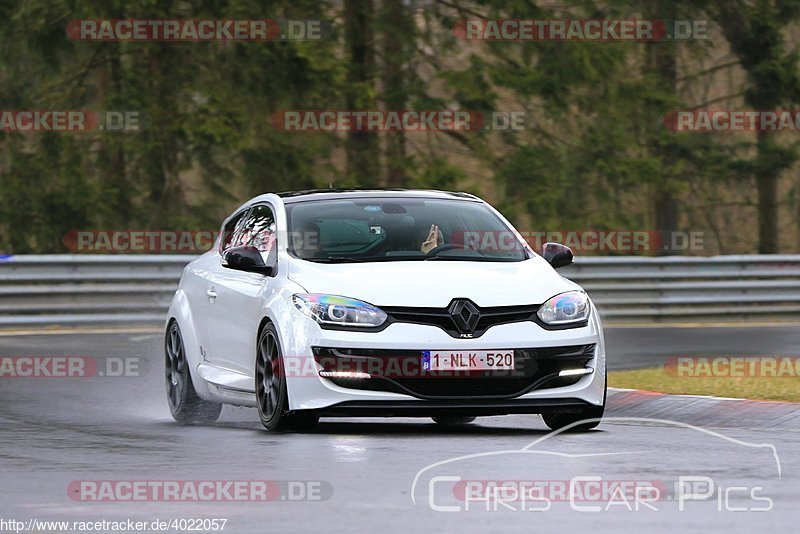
[(290, 197)]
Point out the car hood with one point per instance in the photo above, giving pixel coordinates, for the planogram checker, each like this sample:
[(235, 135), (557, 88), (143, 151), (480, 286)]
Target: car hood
[(433, 283)]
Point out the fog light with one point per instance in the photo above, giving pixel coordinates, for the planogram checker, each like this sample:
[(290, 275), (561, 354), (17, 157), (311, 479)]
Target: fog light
[(576, 372), (344, 374)]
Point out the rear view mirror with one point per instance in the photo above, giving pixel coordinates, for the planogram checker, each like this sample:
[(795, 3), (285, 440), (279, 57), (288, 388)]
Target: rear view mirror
[(248, 259), (557, 255)]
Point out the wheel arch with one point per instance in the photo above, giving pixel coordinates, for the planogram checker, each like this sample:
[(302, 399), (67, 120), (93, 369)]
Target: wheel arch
[(279, 316), (181, 313)]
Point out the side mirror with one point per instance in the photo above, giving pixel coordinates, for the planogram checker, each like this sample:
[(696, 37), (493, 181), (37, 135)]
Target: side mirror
[(557, 255), (249, 259)]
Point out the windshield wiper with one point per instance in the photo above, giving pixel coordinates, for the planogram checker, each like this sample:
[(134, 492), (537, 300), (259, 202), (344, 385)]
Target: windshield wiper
[(440, 256), (336, 259), (411, 257), (479, 257), (366, 259)]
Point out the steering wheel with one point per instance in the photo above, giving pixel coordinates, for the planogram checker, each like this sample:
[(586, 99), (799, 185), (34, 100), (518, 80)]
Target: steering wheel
[(445, 246)]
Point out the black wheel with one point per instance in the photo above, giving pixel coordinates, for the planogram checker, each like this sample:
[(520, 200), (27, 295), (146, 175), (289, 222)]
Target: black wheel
[(271, 393), (557, 421), (184, 403), (453, 420)]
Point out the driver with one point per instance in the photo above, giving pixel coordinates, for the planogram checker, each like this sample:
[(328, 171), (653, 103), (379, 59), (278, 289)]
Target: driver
[(433, 240)]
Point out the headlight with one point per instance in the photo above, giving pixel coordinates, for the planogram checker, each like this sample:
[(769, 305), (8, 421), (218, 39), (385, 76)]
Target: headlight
[(338, 311), (566, 308)]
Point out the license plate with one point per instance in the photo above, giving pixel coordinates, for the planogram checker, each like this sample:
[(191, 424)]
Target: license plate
[(467, 360)]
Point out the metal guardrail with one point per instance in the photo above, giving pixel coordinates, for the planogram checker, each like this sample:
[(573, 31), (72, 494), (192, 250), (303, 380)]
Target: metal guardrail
[(137, 289), (645, 289), (87, 289)]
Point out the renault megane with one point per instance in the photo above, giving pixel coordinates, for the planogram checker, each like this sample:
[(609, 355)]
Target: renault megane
[(381, 303)]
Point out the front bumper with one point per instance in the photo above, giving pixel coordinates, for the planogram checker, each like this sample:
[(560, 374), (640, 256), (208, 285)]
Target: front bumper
[(309, 391), (402, 372)]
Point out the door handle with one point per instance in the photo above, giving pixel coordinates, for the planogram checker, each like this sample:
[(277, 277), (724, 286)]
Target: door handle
[(211, 294)]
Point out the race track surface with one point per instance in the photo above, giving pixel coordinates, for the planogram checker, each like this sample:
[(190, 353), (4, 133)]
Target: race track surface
[(59, 436)]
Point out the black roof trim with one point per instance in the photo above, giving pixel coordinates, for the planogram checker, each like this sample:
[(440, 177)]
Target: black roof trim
[(320, 194)]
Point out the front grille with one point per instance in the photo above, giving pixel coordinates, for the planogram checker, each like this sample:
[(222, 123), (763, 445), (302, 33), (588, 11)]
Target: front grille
[(400, 372), (443, 317)]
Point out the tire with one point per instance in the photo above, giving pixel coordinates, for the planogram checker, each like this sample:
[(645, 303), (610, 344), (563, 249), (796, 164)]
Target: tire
[(184, 403), (557, 421), (453, 420), (271, 391)]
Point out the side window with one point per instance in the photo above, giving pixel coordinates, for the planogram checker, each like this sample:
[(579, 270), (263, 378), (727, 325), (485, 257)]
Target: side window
[(229, 233), (259, 229)]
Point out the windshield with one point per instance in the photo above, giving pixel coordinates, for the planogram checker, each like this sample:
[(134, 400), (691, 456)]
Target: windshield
[(399, 229)]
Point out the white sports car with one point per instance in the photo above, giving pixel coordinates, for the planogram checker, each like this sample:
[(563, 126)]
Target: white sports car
[(381, 303)]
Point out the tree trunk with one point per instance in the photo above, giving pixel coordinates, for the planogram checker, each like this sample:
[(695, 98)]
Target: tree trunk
[(767, 183), (397, 28), (662, 64), (759, 47), (362, 148)]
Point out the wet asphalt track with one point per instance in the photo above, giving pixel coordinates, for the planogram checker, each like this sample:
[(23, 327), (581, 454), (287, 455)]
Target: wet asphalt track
[(54, 432)]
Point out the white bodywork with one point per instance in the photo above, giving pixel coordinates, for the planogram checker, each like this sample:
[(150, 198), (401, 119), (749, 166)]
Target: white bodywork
[(220, 333)]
